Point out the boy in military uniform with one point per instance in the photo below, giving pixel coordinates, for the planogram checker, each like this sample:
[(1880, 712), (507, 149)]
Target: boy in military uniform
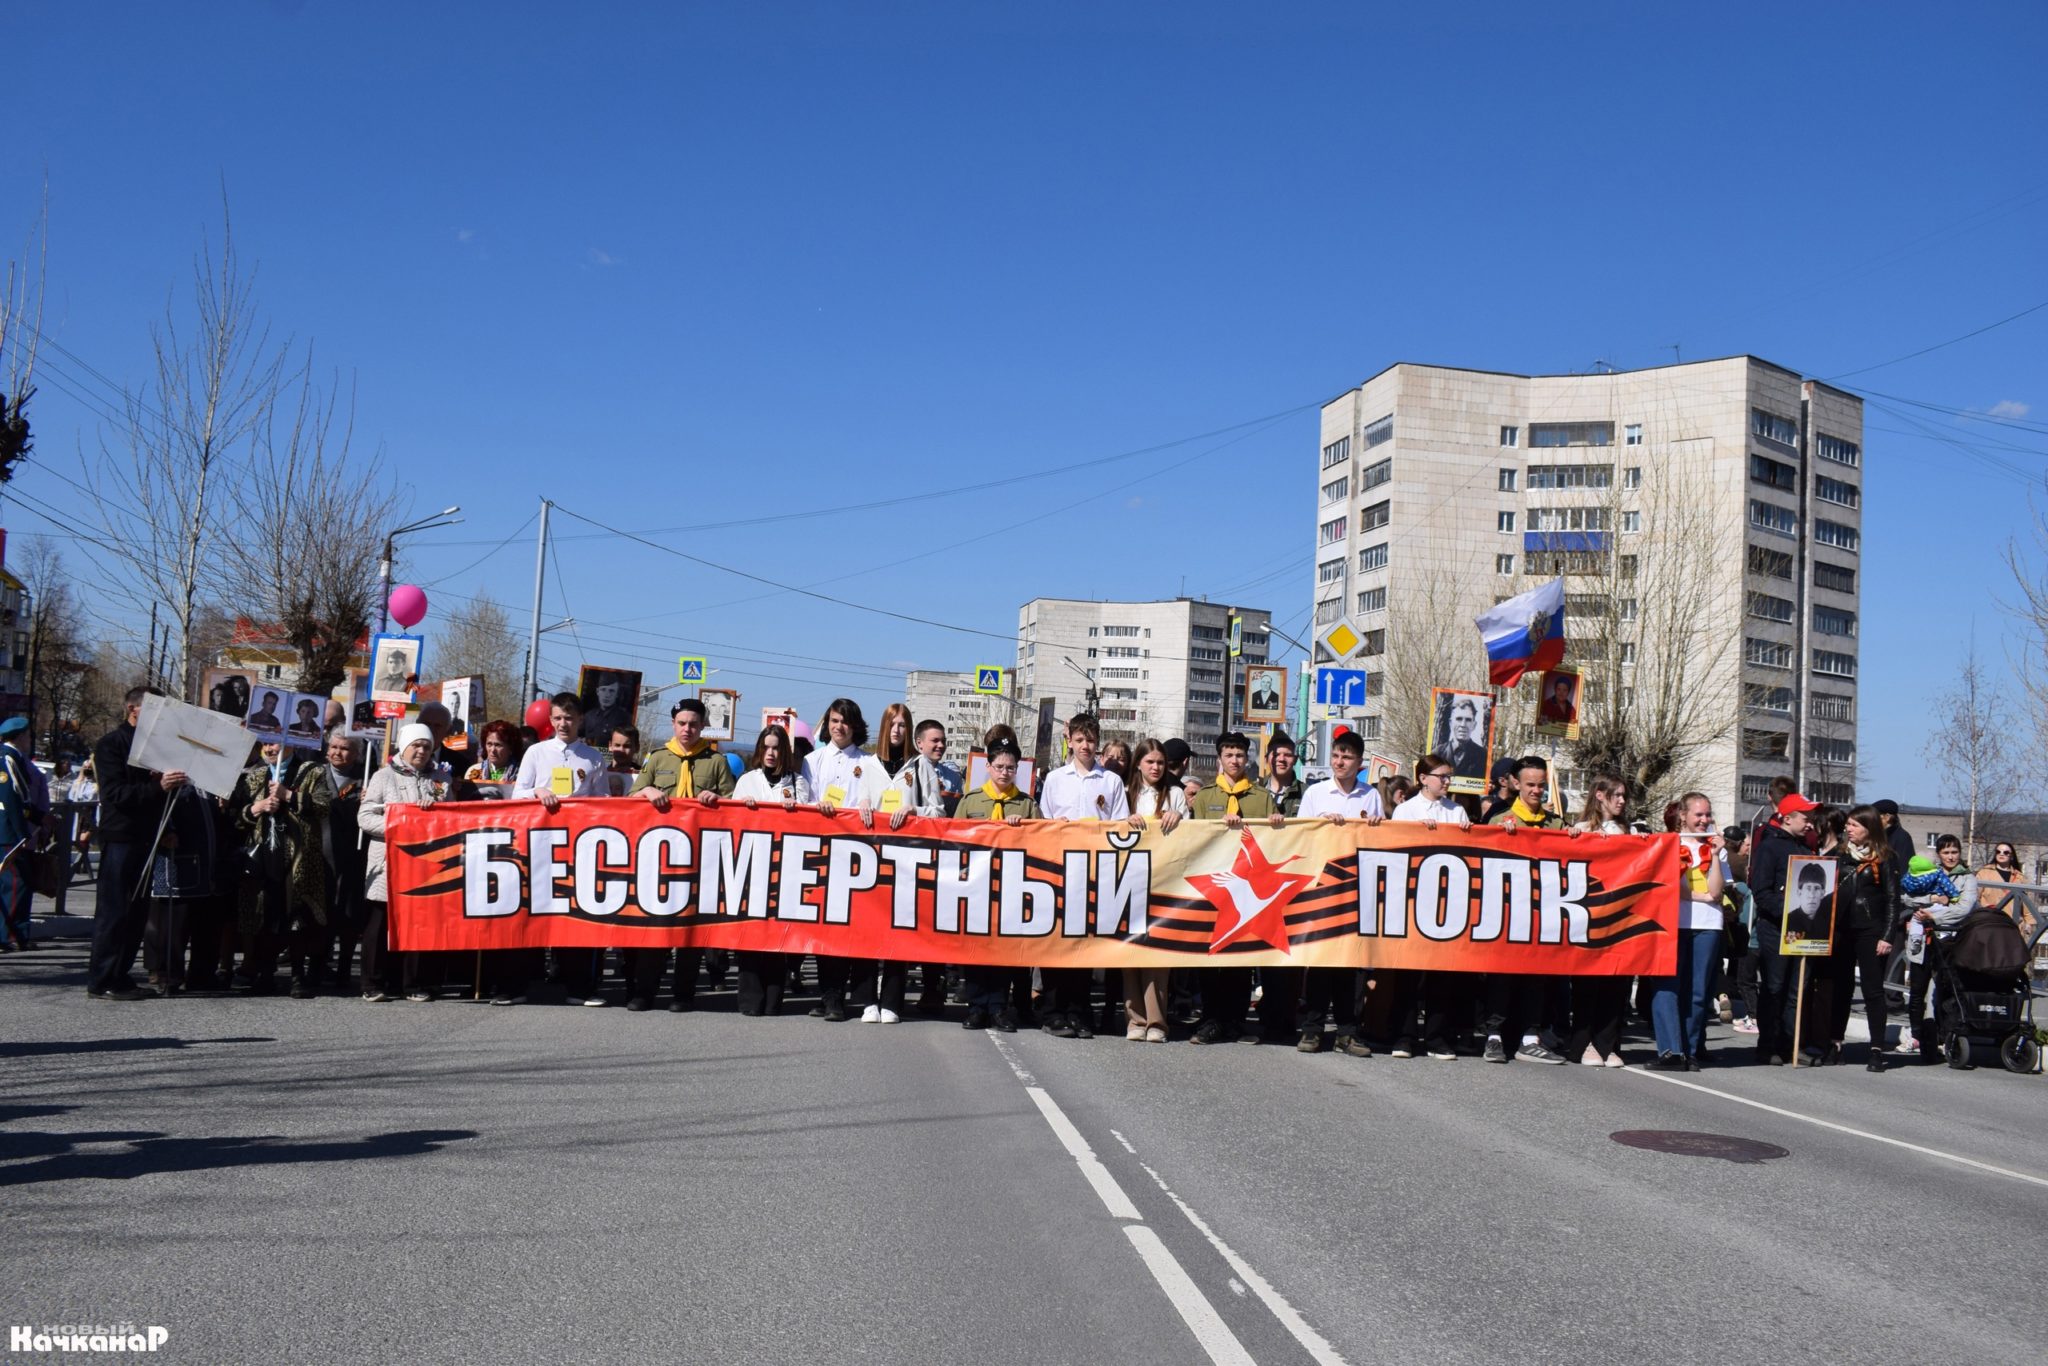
[(1232, 798), (1534, 1003), (995, 994), (687, 768)]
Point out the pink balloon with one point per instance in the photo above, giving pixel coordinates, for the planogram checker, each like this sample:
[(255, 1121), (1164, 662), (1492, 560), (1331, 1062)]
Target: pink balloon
[(540, 715), (801, 730), (408, 605)]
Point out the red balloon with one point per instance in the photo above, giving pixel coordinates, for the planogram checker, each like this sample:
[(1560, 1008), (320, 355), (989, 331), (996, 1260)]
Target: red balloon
[(540, 715)]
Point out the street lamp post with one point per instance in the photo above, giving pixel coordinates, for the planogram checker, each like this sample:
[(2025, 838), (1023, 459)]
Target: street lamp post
[(447, 516)]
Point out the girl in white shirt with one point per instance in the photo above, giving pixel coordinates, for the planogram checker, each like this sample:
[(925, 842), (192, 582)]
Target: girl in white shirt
[(841, 773), (773, 775), (1153, 795)]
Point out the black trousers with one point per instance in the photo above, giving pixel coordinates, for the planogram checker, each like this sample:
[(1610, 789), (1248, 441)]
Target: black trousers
[(1519, 1004), (1226, 997), (1855, 951), (377, 955), (508, 972), (832, 978), (1332, 992), (1071, 991), (1598, 1004), (1777, 980), (934, 993), (119, 919), (998, 989), (1280, 1003), (762, 977), (877, 982), (1918, 975), (1400, 995)]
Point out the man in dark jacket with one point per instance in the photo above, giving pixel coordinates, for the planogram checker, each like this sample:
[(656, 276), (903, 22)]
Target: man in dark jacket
[(131, 806), (1777, 840), (1900, 842)]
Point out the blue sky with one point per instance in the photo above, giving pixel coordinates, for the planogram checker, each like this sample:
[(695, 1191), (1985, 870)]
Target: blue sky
[(686, 265)]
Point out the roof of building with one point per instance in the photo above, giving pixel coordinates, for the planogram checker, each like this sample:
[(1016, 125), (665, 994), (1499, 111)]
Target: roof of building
[(1516, 374), (2021, 827)]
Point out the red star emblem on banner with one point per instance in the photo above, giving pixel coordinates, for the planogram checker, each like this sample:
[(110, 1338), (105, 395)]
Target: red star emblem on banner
[(1251, 899)]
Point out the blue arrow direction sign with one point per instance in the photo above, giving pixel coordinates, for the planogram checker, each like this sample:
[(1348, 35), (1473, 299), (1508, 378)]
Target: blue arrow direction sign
[(1340, 687)]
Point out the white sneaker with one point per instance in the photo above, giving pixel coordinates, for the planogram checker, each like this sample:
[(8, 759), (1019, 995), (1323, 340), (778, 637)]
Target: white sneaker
[(880, 1015), (871, 1015), (1154, 1034), (1134, 1033), (1614, 1060), (1590, 1058)]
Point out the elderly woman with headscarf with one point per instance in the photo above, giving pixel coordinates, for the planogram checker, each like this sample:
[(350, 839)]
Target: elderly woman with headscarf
[(410, 779)]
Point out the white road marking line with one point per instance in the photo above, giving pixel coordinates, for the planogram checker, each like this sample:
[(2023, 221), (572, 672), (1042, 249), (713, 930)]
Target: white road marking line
[(1195, 1310), (1314, 1343), (1843, 1128), (1125, 1141), (1091, 1166), (1011, 1058)]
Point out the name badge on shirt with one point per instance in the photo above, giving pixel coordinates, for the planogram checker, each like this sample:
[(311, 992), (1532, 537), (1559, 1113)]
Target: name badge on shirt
[(835, 795), (562, 781), (892, 800)]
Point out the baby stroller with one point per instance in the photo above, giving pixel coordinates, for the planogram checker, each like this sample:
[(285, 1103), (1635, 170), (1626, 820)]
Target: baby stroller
[(1983, 1003)]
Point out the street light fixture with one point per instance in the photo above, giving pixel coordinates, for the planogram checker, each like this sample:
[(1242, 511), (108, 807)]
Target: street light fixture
[(447, 516)]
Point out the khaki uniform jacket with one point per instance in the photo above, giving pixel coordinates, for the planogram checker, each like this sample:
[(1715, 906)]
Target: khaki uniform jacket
[(977, 805), (663, 770), (1212, 803)]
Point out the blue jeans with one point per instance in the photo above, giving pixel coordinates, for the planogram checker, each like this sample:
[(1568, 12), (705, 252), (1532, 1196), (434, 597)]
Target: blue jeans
[(1678, 1005)]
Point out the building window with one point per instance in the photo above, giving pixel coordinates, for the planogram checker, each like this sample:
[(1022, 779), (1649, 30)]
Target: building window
[(1834, 794), (1571, 434), (1827, 706), (1835, 534), (1765, 744), (1632, 434), (1628, 652), (1375, 685), (1571, 476), (1763, 697), (1631, 522), (1823, 749), (1375, 474), (1840, 451), (1774, 564), (1833, 577), (1834, 664), (1771, 517), (1782, 430), (1128, 632), (1380, 432), (1767, 654), (1372, 600), (1331, 531), (1771, 608), (1632, 477), (1372, 557), (1368, 727), (1337, 452), (1092, 631), (1374, 517), (1504, 521), (1511, 436), (1329, 611), (1330, 571), (1833, 621), (1776, 473), (1756, 789), (1570, 519), (1504, 565), (1548, 564), (1837, 491), (1337, 488), (1375, 643), (1509, 479), (1627, 567)]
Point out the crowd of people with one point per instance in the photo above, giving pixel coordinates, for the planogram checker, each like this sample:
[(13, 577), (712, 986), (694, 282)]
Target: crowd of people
[(288, 874)]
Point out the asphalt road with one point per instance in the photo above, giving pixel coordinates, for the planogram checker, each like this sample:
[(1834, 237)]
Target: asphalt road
[(312, 1181)]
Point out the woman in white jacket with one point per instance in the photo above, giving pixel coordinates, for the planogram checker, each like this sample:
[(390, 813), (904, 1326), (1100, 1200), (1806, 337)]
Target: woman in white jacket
[(841, 773), (1154, 795), (409, 779)]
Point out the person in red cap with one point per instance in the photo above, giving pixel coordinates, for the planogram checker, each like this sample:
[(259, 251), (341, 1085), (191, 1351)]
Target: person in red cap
[(1777, 840)]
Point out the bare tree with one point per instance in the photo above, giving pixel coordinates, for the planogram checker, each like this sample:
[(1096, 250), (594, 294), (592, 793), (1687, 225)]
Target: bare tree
[(1971, 746), (477, 639), (161, 487), (21, 322), (56, 651), (2028, 565), (310, 519)]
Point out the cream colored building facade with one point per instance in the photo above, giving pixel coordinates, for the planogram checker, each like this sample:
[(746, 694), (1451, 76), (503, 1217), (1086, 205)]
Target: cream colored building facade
[(1158, 669), (1459, 488)]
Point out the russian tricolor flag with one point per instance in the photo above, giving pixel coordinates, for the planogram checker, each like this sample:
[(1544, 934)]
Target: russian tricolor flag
[(1524, 634)]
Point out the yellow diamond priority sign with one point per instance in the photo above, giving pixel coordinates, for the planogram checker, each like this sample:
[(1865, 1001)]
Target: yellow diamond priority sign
[(1340, 640)]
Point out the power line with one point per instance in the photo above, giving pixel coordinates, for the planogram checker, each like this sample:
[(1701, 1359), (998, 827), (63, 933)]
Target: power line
[(1911, 355)]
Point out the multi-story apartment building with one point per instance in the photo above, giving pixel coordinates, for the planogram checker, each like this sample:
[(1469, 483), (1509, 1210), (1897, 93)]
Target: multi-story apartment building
[(950, 698), (1157, 669), (1458, 488)]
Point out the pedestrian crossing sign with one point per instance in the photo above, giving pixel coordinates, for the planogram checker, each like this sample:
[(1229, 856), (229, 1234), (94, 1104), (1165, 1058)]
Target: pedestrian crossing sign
[(689, 668), (988, 678)]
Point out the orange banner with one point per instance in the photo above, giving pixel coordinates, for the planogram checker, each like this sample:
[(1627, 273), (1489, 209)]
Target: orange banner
[(616, 872)]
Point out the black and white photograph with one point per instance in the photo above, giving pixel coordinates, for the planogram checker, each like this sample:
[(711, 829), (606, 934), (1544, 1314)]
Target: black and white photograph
[(228, 691), (464, 699), (1808, 929), (394, 668), (721, 705), (1265, 694), (306, 720), (1461, 729), (610, 698), (362, 708), (268, 713)]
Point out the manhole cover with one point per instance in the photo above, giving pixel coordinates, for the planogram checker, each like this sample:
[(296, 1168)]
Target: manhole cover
[(1724, 1146)]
